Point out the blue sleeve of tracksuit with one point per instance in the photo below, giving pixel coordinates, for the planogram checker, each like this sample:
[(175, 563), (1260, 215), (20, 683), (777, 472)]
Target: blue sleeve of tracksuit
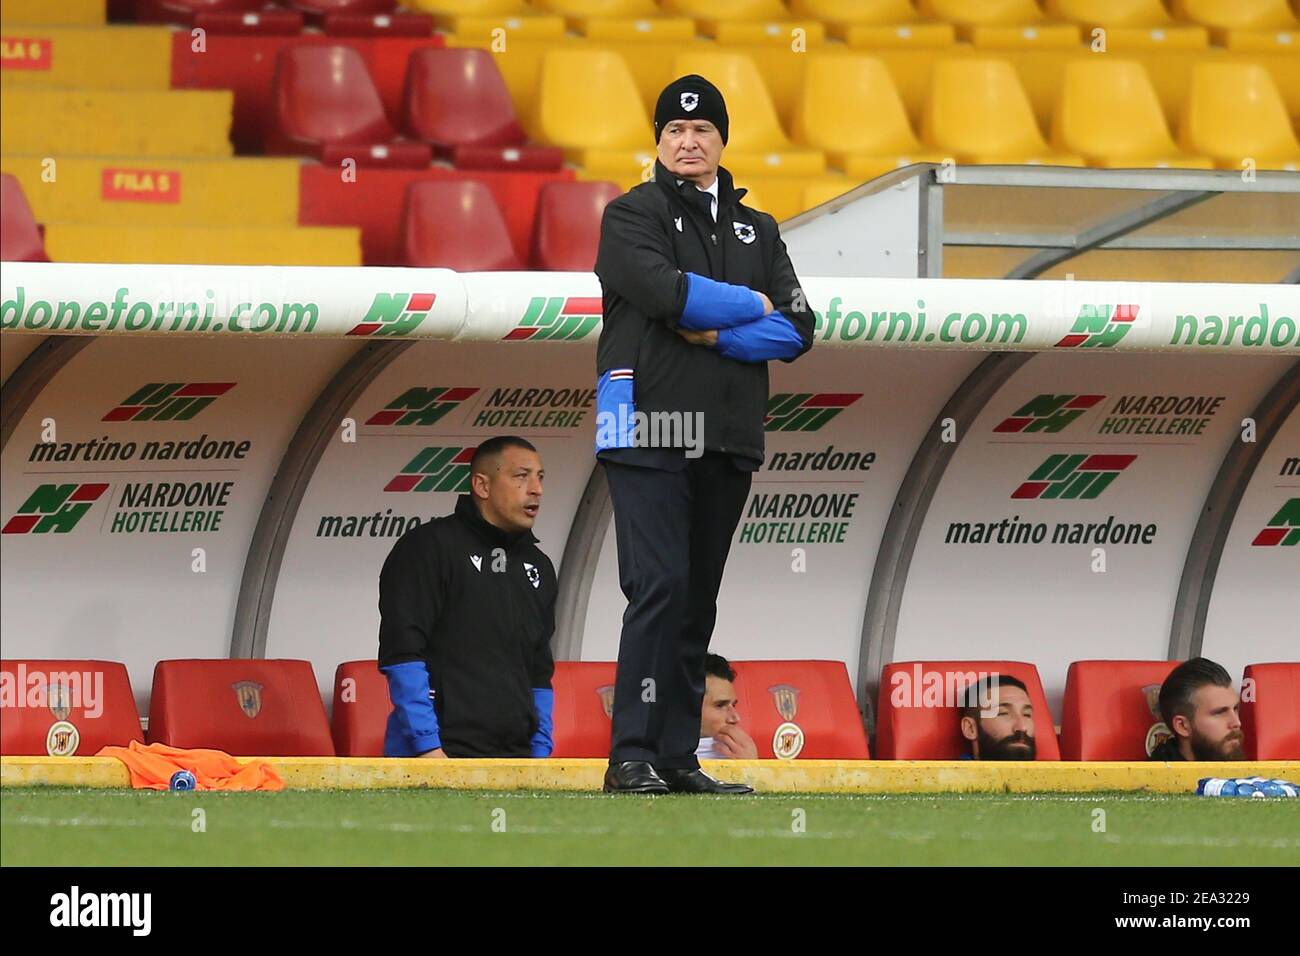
[(771, 337), (413, 729), (718, 305), (544, 701)]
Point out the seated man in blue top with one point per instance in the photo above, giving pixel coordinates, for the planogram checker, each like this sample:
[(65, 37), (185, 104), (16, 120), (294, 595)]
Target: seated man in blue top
[(467, 610)]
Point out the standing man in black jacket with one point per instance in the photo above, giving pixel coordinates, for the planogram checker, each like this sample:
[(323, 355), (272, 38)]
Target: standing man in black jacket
[(467, 610), (699, 294)]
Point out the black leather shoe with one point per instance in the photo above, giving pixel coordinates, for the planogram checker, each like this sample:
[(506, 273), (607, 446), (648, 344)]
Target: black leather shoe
[(633, 776), (697, 781)]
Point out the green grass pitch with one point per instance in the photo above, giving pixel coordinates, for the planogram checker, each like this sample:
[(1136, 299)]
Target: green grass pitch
[(69, 827)]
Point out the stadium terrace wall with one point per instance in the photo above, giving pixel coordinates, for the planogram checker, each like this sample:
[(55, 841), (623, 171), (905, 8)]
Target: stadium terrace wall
[(133, 482)]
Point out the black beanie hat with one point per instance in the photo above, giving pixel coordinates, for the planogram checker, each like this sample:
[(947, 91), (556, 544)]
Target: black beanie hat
[(691, 97)]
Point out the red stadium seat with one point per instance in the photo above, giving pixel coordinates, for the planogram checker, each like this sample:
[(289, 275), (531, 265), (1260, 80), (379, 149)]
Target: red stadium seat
[(325, 104), (1111, 709), (20, 236), (317, 11), (361, 709), (566, 232), (184, 11), (379, 25), (94, 708), (456, 100), (584, 696), (906, 731), (814, 696), (455, 224), (1270, 711), (244, 707)]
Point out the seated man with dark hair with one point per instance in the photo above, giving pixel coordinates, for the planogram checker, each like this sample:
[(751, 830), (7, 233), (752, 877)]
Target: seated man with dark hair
[(467, 610), (721, 735), (1200, 707), (998, 719)]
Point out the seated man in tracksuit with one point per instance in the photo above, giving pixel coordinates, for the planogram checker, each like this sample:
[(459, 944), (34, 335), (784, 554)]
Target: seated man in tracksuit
[(467, 610)]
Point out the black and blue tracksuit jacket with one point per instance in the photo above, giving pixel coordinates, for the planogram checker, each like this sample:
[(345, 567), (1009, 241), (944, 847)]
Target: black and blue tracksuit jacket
[(467, 612), (664, 264)]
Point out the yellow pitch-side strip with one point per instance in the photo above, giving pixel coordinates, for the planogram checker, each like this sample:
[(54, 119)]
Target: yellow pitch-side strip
[(767, 776)]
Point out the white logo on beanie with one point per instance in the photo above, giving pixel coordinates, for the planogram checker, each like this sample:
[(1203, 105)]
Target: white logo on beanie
[(690, 101)]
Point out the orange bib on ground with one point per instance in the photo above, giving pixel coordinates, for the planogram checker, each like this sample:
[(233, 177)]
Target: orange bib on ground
[(152, 767)]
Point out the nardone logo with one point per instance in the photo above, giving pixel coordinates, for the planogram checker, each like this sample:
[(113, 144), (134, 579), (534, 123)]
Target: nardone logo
[(435, 469), (557, 318), (805, 411), (420, 406), (1073, 476), (163, 402), (395, 314), (1047, 413), (54, 508), (1099, 326), (1283, 528)]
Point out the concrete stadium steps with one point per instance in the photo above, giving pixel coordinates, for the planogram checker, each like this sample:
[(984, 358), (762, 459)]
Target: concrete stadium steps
[(766, 776), (61, 13), (116, 122), (149, 190), (204, 245), (114, 58)]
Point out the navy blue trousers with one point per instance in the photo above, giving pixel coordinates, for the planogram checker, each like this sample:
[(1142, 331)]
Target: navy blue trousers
[(674, 531)]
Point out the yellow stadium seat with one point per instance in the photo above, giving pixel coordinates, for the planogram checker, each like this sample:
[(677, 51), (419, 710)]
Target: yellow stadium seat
[(1224, 15), (646, 30), (470, 8), (861, 36), (967, 14), (1046, 36), (1264, 41), (1126, 39), (878, 13), (1285, 71), (1129, 24), (65, 13), (754, 32), (851, 110), (714, 10), (205, 245), (757, 145), (479, 31), (823, 190), (625, 9), (1110, 13), (881, 23), (1234, 113), (978, 112), (1108, 113), (588, 101), (779, 196)]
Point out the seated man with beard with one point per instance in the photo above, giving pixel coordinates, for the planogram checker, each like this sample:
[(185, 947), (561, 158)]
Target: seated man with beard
[(1199, 705), (1009, 734)]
